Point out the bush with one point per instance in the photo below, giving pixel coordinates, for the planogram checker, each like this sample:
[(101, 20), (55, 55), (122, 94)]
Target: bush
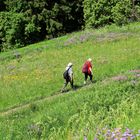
[(121, 12), (103, 12), (11, 30), (28, 22)]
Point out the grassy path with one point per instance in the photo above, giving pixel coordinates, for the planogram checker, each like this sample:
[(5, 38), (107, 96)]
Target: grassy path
[(36, 101), (111, 49), (27, 105), (58, 93)]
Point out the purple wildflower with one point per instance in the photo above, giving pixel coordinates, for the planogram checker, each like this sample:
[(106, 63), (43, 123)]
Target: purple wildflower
[(85, 138)]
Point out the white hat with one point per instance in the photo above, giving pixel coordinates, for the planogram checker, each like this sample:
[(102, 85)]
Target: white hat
[(90, 59), (70, 64)]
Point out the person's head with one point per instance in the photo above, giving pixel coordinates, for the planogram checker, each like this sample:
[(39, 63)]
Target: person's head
[(70, 64), (89, 59)]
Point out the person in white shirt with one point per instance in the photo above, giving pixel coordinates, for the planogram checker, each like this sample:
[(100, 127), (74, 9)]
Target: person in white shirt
[(68, 76)]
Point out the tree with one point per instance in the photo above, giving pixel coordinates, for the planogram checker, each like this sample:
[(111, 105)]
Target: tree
[(11, 30), (101, 12), (2, 5), (44, 19), (98, 12)]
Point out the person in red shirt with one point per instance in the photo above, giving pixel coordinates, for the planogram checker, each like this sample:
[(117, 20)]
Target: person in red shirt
[(87, 70)]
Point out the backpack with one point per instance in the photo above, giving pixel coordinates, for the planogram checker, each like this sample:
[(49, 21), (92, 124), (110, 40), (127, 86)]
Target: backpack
[(85, 68), (65, 74)]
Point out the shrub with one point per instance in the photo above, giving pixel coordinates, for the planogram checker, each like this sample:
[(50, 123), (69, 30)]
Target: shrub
[(101, 12), (11, 30)]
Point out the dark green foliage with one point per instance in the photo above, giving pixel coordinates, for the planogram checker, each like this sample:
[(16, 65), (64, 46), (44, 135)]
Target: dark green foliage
[(42, 19), (2, 5), (126, 11), (97, 12), (11, 30), (122, 12), (101, 12)]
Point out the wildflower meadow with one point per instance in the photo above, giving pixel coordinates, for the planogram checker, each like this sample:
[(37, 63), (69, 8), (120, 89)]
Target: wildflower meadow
[(32, 106)]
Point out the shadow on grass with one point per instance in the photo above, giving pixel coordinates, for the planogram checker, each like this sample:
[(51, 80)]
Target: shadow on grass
[(77, 87)]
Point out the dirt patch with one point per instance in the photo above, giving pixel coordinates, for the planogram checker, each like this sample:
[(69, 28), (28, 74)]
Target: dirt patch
[(119, 78), (137, 75), (115, 78), (135, 71)]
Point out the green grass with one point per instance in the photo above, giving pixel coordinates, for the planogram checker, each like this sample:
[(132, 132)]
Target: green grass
[(38, 74)]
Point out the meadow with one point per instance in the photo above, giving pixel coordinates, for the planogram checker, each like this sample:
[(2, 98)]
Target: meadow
[(32, 76)]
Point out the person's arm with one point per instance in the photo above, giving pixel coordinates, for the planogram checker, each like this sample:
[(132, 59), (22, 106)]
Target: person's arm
[(71, 73), (90, 69)]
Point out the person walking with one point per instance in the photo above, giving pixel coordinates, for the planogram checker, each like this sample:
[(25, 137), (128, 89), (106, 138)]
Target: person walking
[(68, 76), (87, 70)]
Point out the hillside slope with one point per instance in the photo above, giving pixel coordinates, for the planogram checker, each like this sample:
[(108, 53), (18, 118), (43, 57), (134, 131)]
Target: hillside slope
[(30, 75)]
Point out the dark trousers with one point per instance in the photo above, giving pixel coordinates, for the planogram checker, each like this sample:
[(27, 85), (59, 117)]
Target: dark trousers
[(86, 76), (68, 80)]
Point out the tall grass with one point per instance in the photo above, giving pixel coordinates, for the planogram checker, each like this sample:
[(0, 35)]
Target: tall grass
[(40, 73), (37, 73)]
